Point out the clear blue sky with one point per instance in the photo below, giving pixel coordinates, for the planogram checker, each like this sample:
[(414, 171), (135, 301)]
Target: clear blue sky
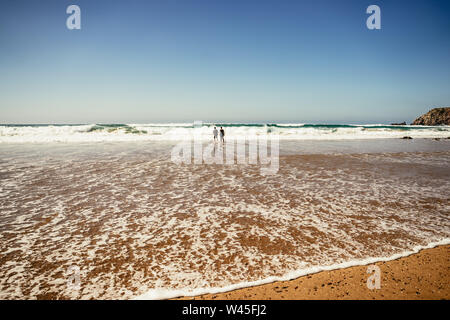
[(153, 61)]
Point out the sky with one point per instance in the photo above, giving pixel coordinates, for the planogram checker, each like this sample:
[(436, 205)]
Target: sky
[(229, 61)]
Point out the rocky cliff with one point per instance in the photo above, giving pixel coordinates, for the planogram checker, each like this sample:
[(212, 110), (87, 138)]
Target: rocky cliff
[(434, 117)]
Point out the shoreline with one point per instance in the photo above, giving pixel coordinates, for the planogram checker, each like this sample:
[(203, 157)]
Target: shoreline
[(421, 275)]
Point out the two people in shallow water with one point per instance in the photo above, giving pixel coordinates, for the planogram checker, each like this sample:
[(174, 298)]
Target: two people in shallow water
[(222, 134)]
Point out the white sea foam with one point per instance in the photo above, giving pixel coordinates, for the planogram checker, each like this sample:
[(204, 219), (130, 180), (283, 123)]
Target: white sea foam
[(178, 131), (138, 225), (164, 293)]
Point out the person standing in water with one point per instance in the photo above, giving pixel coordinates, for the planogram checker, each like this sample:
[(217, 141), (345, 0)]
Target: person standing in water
[(222, 135), (215, 132)]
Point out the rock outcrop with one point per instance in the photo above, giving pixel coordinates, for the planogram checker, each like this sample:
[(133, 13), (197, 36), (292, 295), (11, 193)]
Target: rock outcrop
[(399, 124), (434, 117)]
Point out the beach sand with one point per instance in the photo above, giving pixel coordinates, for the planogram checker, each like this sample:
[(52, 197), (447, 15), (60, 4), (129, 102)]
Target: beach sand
[(138, 225), (425, 275)]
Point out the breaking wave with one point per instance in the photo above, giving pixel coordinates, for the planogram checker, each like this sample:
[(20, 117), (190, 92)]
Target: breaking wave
[(176, 131)]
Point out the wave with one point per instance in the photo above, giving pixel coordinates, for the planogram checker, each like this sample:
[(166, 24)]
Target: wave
[(160, 294), (16, 133), (146, 226)]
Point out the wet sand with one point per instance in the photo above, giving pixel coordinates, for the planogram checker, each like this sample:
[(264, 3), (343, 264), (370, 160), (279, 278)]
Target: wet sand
[(135, 223), (425, 275)]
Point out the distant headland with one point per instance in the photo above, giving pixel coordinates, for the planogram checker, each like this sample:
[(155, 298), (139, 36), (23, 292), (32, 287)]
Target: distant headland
[(434, 117)]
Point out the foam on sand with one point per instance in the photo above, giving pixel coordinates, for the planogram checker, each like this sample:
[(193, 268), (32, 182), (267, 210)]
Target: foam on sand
[(137, 224), (159, 294)]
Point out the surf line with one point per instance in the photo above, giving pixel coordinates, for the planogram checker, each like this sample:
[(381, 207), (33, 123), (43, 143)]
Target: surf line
[(199, 310)]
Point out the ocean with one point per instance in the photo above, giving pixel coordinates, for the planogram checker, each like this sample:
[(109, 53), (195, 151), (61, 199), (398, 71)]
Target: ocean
[(172, 131), (108, 200)]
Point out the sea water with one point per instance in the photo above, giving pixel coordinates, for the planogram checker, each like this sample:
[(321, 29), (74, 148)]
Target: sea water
[(109, 200)]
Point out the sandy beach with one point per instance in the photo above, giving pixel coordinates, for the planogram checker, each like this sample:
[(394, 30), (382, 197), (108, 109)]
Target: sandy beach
[(138, 225), (424, 275)]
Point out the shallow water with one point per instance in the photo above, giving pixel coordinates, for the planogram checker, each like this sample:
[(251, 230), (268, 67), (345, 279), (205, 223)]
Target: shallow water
[(133, 221)]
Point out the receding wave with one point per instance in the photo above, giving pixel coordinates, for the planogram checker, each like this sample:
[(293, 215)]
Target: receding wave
[(139, 225)]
